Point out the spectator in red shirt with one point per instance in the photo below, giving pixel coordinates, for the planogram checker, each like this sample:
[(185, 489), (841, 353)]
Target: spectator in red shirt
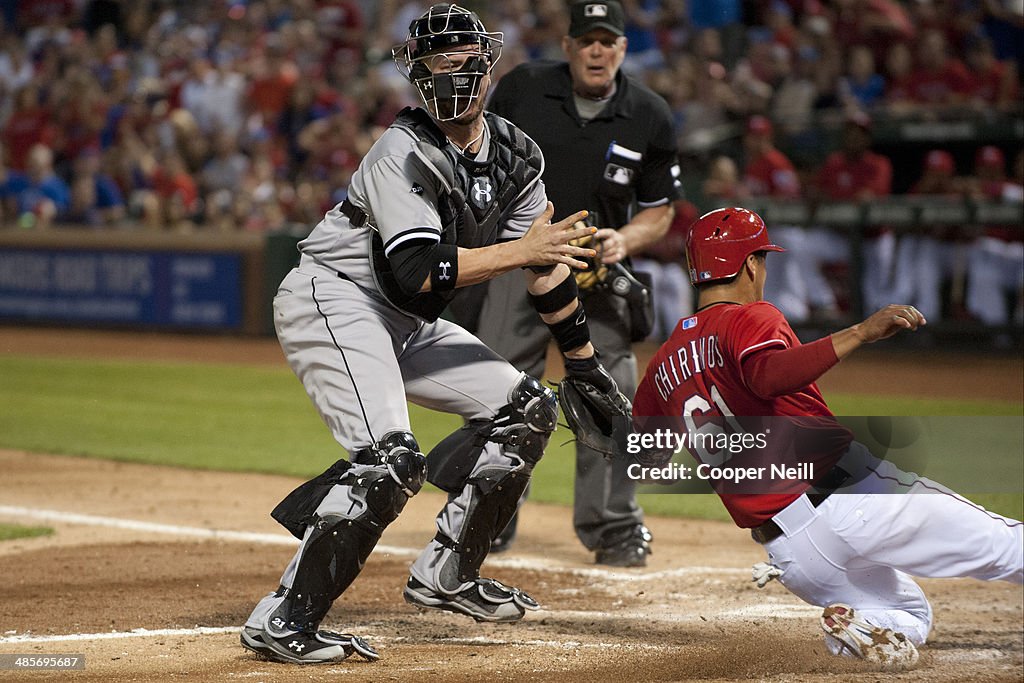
[(875, 23), (856, 174), (994, 83), (29, 124), (341, 23), (79, 116), (177, 193), (768, 171), (938, 79), (273, 77), (899, 79), (34, 13)]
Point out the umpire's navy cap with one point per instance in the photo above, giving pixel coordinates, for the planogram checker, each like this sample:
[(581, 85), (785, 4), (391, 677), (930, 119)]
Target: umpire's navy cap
[(587, 15)]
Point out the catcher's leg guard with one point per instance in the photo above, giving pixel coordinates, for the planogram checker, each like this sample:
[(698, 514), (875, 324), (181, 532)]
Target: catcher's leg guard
[(484, 467), (350, 517)]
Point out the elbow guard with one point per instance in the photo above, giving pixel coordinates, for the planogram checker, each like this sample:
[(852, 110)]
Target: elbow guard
[(412, 264)]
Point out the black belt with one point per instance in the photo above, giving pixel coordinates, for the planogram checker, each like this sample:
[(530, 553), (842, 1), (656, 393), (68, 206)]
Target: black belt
[(356, 216), (817, 495)]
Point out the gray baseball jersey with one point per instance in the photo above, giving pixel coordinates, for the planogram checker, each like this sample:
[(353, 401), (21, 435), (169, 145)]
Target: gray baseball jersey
[(400, 197), (358, 356)]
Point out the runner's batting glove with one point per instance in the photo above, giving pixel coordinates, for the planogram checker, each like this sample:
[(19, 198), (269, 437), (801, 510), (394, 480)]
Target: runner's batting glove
[(591, 400), (763, 573)]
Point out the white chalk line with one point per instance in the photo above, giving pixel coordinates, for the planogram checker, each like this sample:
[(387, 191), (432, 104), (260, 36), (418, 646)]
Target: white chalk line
[(115, 635), (28, 638), (397, 551)]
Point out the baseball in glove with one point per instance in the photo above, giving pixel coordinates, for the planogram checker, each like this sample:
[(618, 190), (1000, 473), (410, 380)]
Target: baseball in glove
[(596, 271), (591, 401)]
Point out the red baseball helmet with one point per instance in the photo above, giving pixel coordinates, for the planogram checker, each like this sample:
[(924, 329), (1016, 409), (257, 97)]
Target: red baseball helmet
[(720, 241)]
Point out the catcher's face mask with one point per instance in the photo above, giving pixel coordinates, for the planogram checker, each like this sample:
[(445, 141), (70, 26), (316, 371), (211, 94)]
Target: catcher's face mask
[(447, 56)]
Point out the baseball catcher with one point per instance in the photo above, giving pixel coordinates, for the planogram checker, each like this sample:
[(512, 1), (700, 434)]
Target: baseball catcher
[(447, 197)]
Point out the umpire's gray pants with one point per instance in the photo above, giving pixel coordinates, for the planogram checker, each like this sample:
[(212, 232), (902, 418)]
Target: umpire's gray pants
[(604, 497)]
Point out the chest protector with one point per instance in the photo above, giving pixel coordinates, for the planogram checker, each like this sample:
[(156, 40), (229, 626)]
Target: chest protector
[(474, 200)]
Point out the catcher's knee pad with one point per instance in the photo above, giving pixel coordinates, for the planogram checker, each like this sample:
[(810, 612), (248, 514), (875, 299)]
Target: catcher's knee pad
[(400, 454), (520, 428), (530, 405)]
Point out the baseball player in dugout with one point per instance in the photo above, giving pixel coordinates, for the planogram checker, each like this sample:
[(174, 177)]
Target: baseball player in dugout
[(609, 145), (447, 197), (837, 534)]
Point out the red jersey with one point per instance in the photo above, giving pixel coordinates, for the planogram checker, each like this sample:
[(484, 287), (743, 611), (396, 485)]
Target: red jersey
[(845, 179), (988, 85), (698, 373), (942, 86), (25, 128), (772, 175)]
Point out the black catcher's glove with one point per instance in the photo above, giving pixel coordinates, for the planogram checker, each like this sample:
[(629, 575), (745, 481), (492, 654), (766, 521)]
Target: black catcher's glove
[(590, 400)]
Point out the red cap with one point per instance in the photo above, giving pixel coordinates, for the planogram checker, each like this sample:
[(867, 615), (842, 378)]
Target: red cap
[(720, 241), (759, 125), (990, 156), (939, 160)]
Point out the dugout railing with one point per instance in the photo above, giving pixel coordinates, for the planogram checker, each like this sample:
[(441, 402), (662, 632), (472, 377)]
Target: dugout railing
[(903, 215)]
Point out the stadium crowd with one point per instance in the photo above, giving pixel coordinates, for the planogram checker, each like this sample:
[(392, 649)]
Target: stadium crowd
[(250, 115)]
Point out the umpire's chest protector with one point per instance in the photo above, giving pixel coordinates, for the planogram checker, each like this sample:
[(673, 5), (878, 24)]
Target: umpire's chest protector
[(476, 196)]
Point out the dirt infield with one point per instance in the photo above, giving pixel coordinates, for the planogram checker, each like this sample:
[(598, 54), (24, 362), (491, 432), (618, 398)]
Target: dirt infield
[(134, 550)]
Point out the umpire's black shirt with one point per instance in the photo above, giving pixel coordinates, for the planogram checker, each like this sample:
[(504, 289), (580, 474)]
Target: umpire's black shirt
[(625, 153)]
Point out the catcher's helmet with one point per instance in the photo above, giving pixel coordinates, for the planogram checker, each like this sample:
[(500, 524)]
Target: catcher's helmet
[(429, 58), (720, 241)]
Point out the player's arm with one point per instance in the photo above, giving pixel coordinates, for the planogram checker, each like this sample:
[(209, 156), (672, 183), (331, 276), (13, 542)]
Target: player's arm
[(554, 295), (773, 372), (425, 264), (647, 227), (880, 325)]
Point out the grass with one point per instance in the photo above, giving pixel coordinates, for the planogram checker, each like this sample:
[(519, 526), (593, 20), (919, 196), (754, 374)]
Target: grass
[(9, 532), (257, 419)]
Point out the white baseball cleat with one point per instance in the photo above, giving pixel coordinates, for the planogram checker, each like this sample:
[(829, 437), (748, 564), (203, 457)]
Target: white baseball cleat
[(889, 649)]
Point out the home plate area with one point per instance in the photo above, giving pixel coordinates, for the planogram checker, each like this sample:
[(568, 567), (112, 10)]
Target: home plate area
[(156, 587)]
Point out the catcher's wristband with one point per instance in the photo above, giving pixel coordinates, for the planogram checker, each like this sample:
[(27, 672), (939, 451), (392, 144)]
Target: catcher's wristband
[(558, 298), (571, 332)]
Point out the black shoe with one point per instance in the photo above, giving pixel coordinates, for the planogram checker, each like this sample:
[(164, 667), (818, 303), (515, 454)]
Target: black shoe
[(503, 541), (485, 600), (297, 647), (627, 547)]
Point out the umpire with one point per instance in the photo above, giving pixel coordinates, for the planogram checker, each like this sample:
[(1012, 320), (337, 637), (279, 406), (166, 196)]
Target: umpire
[(609, 146)]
